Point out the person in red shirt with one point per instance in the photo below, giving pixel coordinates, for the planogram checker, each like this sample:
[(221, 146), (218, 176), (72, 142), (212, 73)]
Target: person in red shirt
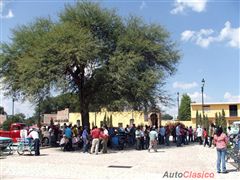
[(205, 136), (95, 133), (104, 137)]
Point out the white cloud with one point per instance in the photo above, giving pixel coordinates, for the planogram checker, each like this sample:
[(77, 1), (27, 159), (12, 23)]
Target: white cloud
[(143, 5), (197, 96), (182, 85), (9, 15), (194, 5), (187, 35), (229, 97), (231, 35), (205, 37)]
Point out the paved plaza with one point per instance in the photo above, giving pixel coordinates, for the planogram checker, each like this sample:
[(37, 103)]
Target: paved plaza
[(55, 164)]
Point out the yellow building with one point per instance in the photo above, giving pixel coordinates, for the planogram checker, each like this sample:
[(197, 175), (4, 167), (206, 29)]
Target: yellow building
[(118, 118), (231, 109)]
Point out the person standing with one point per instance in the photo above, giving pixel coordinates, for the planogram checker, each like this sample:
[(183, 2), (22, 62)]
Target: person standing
[(205, 135), (85, 138), (162, 134), (142, 137), (95, 133), (146, 135), (199, 134), (138, 138), (221, 140), (179, 135), (190, 134), (104, 136), (153, 135), (35, 136), (211, 134), (23, 133), (167, 135), (68, 134)]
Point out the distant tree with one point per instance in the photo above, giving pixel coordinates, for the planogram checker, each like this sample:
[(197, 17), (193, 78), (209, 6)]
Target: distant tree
[(197, 119), (222, 120), (205, 122), (185, 108), (2, 111), (217, 123), (31, 120), (17, 118), (200, 120), (166, 117)]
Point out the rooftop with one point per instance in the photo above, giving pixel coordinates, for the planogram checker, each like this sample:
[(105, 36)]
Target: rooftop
[(215, 103)]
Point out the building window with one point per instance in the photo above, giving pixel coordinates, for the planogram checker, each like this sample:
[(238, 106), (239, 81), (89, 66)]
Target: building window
[(78, 123), (233, 110), (206, 108), (131, 121)]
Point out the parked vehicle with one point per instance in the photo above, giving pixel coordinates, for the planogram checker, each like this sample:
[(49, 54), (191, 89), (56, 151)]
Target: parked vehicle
[(6, 145), (235, 128), (45, 136), (14, 131)]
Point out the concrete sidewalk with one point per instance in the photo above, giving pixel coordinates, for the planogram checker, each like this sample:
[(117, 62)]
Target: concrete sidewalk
[(55, 164)]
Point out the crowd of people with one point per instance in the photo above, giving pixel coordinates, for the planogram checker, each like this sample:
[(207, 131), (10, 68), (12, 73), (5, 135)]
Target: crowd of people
[(141, 137), (138, 137)]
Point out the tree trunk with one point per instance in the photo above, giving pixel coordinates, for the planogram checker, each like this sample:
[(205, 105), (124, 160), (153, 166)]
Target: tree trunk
[(84, 105), (85, 115)]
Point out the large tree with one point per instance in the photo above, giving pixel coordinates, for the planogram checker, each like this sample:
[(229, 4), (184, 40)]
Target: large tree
[(185, 108), (107, 60)]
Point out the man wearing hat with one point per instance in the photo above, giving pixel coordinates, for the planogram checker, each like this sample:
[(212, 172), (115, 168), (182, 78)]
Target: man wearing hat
[(153, 135), (35, 136)]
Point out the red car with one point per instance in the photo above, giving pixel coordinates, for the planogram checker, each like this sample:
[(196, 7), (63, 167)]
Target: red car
[(14, 131)]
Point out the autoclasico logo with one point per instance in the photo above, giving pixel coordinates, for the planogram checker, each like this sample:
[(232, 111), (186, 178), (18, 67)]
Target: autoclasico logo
[(188, 174)]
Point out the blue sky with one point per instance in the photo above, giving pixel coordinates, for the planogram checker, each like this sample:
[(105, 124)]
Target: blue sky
[(207, 33)]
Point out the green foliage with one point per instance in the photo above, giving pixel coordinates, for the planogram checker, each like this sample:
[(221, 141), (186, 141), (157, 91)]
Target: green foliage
[(200, 120), (18, 118), (197, 119), (2, 111), (91, 51), (166, 117), (185, 108), (217, 123), (53, 104), (206, 122), (31, 120), (220, 120), (224, 121)]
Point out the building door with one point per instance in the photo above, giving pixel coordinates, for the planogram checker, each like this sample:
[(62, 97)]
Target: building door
[(154, 119)]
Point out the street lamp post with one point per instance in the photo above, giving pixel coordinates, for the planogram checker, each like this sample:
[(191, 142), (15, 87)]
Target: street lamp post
[(13, 100), (202, 88), (178, 104)]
